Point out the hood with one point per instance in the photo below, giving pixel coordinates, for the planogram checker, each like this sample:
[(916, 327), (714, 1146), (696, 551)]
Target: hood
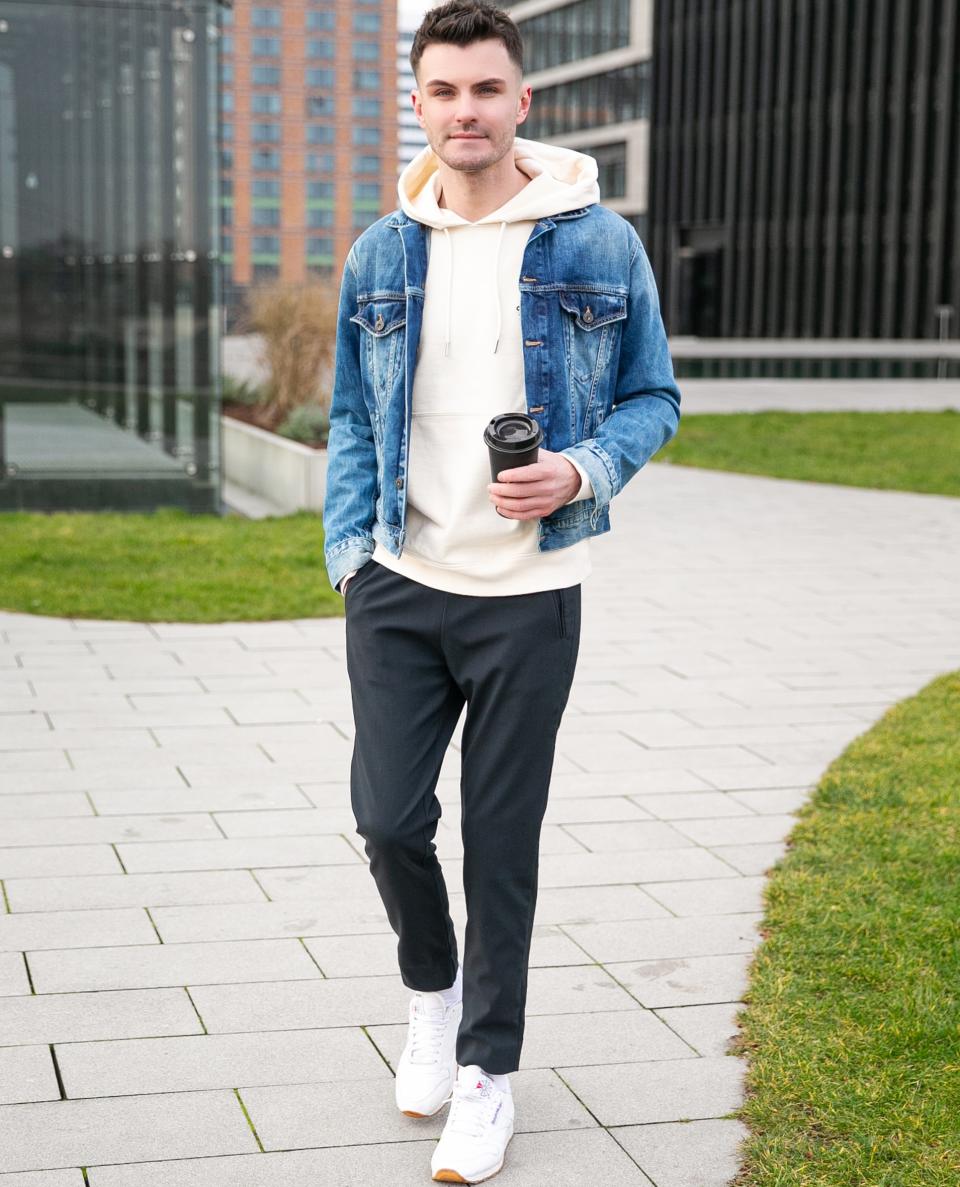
[(561, 179)]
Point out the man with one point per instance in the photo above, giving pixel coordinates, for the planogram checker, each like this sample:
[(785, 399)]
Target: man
[(501, 285)]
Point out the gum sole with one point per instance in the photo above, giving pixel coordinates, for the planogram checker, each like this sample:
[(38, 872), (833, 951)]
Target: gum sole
[(448, 1176)]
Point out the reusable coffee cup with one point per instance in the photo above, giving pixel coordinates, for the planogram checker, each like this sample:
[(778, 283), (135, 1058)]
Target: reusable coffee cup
[(512, 439)]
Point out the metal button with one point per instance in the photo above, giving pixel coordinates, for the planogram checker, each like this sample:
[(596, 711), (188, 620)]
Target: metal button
[(378, 324), (399, 484), (587, 315)]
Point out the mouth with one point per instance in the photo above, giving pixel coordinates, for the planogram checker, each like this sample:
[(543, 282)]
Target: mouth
[(467, 137)]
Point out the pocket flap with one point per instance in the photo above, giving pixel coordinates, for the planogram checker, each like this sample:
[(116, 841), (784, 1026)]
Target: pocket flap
[(593, 309), (381, 317)]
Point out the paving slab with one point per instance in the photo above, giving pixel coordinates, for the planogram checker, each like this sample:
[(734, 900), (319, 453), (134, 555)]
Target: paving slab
[(188, 910)]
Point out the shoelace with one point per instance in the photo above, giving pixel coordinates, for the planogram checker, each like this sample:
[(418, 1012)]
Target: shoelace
[(471, 1113), (426, 1035)]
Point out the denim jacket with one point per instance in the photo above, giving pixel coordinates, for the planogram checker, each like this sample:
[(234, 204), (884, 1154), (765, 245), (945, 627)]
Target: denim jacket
[(597, 369)]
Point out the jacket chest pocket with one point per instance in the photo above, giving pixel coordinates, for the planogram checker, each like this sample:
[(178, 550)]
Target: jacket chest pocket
[(384, 324), (592, 323)]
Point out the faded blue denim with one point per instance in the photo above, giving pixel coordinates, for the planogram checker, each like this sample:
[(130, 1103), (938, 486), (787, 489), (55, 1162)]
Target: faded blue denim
[(598, 373)]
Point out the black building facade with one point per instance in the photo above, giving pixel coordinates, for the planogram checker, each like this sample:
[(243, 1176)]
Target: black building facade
[(805, 168), (109, 255)]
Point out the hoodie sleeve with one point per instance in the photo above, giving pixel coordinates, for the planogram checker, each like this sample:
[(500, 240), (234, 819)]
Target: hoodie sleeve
[(646, 401)]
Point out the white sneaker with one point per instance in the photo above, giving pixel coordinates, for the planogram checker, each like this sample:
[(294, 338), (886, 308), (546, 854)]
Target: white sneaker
[(478, 1128), (427, 1069)]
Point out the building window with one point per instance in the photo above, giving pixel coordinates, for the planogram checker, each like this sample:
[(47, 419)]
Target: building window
[(613, 97), (226, 43), (575, 31), (226, 187), (265, 187), (321, 20), (319, 105), (266, 18), (226, 158), (265, 216), (226, 131), (366, 107), (226, 215), (366, 164), (226, 245), (366, 135), (266, 244), (226, 72), (366, 80), (366, 22), (366, 51), (226, 100), (319, 48), (264, 273), (363, 218), (266, 160), (264, 103), (265, 47), (265, 76), (319, 76), (318, 245), (319, 218), (320, 189), (319, 162), (612, 167), (366, 189), (268, 132), (319, 134)]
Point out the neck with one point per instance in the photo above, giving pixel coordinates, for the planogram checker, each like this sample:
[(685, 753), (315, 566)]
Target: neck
[(475, 195)]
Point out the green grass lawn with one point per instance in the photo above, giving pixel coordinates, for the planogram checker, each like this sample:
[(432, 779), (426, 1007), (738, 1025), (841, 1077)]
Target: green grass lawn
[(169, 566), (852, 1022), (918, 451)]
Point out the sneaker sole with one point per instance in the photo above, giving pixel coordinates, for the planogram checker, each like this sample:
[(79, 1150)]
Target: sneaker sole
[(450, 1176)]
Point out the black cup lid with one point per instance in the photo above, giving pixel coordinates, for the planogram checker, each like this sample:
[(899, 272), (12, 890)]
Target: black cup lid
[(513, 431)]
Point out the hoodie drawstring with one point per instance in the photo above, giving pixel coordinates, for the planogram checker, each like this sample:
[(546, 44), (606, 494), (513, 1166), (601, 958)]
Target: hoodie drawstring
[(496, 286)]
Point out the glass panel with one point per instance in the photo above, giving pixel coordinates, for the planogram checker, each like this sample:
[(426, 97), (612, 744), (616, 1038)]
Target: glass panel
[(110, 285)]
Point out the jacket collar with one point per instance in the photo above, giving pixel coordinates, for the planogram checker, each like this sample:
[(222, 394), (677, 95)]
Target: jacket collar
[(400, 218)]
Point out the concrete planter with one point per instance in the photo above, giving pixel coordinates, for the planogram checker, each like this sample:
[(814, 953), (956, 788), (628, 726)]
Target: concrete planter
[(285, 474)]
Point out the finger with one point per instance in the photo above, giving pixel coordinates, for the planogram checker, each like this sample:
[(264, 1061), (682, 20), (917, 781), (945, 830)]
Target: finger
[(531, 473)]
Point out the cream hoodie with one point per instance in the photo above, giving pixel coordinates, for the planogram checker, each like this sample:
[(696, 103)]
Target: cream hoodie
[(469, 368)]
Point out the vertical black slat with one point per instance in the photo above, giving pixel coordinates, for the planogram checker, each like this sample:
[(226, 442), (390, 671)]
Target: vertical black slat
[(699, 113), (717, 116), (146, 198), (731, 209), (853, 165), (953, 201), (812, 283), (746, 203), (203, 179), (689, 43), (168, 268), (100, 327), (917, 320), (898, 98), (125, 240), (85, 170), (866, 290), (675, 127), (763, 226), (661, 161), (941, 247), (800, 49), (780, 128), (838, 91), (113, 342)]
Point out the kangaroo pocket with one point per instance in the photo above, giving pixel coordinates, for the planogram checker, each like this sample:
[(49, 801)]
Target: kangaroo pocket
[(450, 519)]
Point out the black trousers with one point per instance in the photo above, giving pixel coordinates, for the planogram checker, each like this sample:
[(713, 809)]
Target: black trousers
[(415, 655)]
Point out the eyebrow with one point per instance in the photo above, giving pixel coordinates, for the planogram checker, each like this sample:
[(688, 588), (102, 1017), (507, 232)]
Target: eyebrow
[(438, 82)]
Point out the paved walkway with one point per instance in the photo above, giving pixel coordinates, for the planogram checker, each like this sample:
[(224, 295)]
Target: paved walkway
[(193, 951)]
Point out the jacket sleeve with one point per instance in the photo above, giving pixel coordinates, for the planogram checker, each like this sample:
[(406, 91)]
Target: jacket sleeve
[(349, 504), (646, 403)]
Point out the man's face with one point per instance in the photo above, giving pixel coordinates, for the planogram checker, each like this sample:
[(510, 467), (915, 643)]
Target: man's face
[(469, 102)]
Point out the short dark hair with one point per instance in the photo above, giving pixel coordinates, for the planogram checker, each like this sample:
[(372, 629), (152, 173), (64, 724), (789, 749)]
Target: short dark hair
[(461, 22)]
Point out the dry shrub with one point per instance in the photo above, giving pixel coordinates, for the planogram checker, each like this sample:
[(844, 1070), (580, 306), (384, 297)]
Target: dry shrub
[(299, 328)]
